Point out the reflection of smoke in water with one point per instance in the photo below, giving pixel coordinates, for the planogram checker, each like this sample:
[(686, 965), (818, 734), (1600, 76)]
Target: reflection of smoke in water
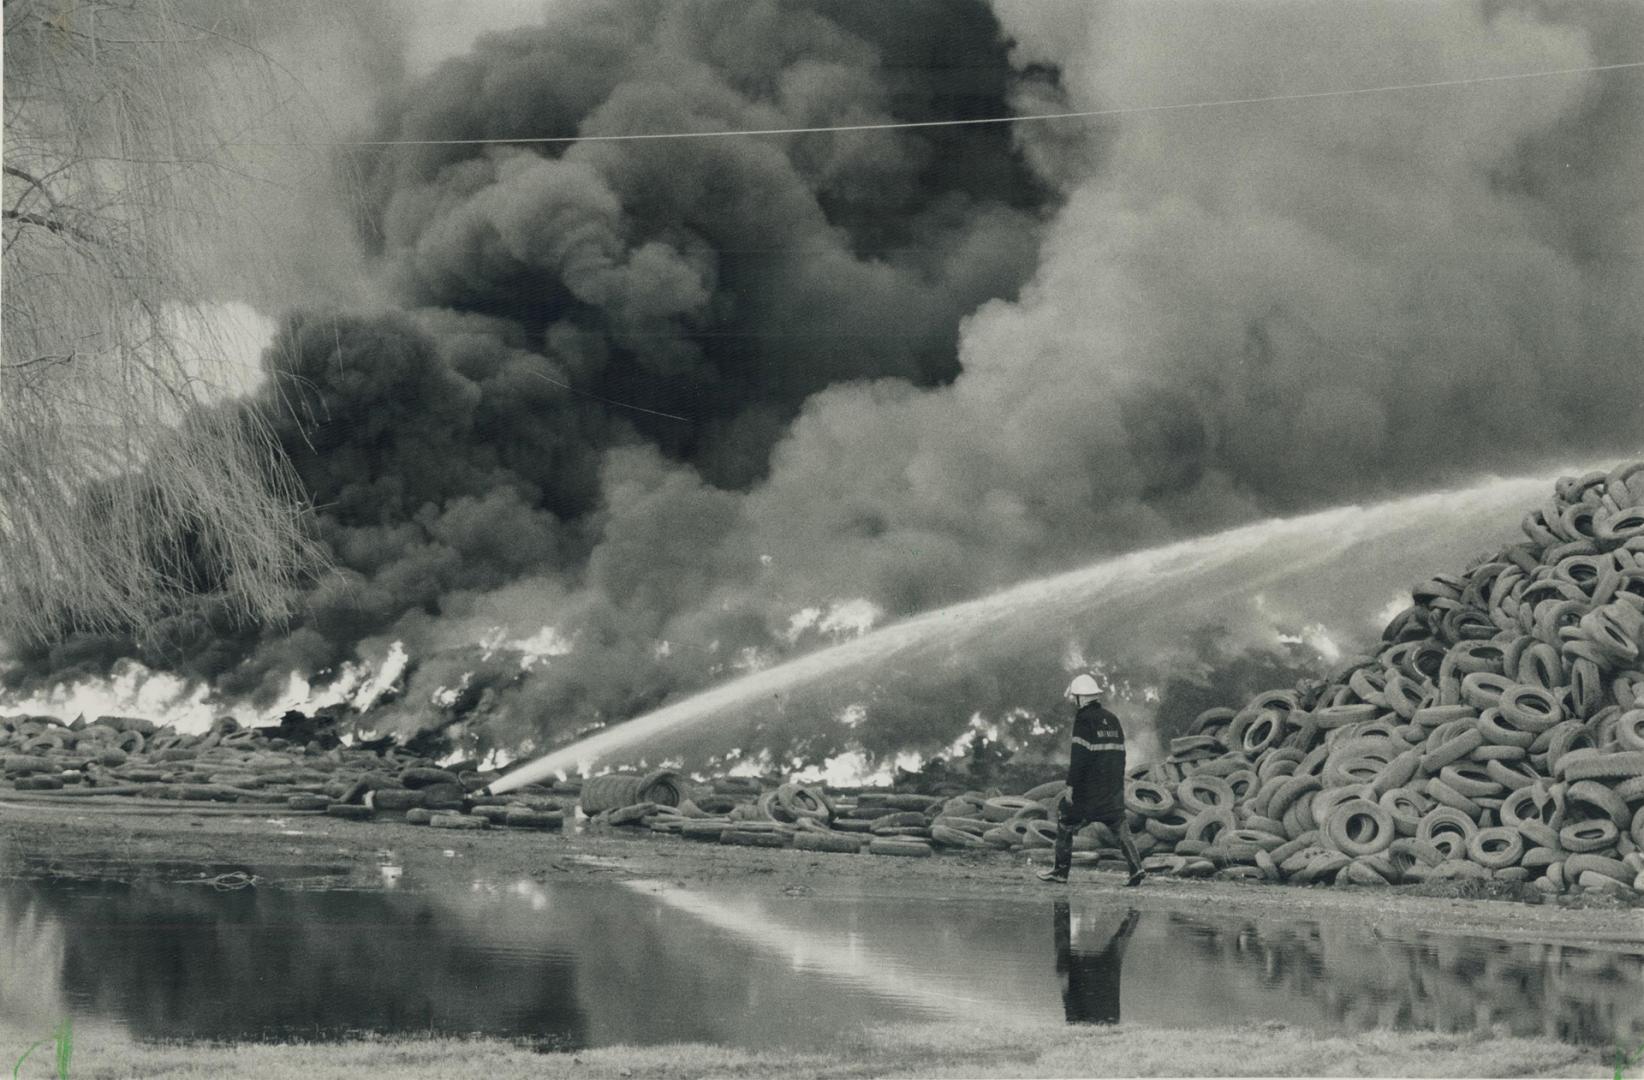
[(1329, 572)]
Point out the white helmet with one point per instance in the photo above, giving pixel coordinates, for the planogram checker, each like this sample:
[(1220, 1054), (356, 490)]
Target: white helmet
[(1082, 686)]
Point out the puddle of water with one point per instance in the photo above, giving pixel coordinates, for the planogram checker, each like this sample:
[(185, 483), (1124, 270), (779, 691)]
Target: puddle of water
[(570, 965)]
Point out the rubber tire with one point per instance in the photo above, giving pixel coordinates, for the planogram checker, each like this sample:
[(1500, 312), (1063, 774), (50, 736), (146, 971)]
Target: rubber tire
[(1211, 823), (1290, 847), (1601, 799), (1168, 828), (611, 791), (1444, 795), (1531, 708), (1288, 793), (1005, 807), (800, 801), (1614, 869), (840, 843), (630, 815), (1163, 800), (1445, 827), (1538, 834), (1190, 791), (1361, 873), (1420, 852), (1405, 806), (1297, 861), (1338, 828), (1469, 786), (903, 848), (1482, 847), (1585, 837), (947, 836), (1626, 765), (745, 838)]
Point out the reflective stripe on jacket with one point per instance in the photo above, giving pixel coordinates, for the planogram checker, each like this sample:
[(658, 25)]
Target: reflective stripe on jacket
[(1096, 766)]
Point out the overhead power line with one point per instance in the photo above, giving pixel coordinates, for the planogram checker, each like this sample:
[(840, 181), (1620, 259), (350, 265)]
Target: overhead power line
[(1085, 114)]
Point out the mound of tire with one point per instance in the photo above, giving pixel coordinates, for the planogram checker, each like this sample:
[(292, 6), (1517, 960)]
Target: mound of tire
[(1497, 735)]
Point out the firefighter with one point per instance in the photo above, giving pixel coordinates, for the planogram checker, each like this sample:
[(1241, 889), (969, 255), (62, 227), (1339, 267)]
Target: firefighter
[(1095, 780)]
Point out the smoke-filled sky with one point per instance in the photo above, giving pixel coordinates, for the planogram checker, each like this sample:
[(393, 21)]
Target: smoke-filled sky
[(696, 403)]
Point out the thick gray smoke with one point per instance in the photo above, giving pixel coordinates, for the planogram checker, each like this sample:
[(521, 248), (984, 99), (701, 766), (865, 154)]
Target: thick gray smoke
[(1262, 306), (684, 401)]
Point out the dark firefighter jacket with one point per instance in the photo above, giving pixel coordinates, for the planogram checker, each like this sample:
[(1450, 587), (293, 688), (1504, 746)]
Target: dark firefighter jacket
[(1096, 770)]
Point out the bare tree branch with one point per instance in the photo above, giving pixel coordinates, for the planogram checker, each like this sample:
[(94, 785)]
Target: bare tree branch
[(45, 222), (124, 498)]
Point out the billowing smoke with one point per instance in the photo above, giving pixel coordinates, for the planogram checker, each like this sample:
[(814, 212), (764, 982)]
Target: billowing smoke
[(1257, 307), (600, 344), (692, 404)]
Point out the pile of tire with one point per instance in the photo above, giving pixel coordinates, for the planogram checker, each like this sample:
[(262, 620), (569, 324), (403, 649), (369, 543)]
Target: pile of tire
[(738, 812), (112, 756), (1497, 735), (898, 824)]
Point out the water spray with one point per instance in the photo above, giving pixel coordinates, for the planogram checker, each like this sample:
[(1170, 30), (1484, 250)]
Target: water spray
[(1184, 576)]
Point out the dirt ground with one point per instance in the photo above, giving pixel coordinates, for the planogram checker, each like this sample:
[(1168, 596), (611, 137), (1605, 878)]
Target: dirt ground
[(82, 841)]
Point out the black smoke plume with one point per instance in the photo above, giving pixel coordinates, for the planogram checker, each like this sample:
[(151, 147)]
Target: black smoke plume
[(692, 404)]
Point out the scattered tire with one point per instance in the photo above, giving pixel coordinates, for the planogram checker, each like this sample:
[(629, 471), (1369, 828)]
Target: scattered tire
[(630, 815), (1005, 807), (903, 848), (609, 792), (664, 787), (457, 821), (948, 836), (746, 838), (704, 829), (519, 817), (841, 843)]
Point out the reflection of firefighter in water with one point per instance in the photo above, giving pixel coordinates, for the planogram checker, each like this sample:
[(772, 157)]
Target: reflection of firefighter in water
[(1090, 966)]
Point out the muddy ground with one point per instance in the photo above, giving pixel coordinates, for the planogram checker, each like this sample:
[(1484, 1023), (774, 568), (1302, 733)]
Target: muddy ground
[(308, 850)]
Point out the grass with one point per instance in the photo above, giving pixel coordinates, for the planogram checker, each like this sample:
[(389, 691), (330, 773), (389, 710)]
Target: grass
[(926, 1050)]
